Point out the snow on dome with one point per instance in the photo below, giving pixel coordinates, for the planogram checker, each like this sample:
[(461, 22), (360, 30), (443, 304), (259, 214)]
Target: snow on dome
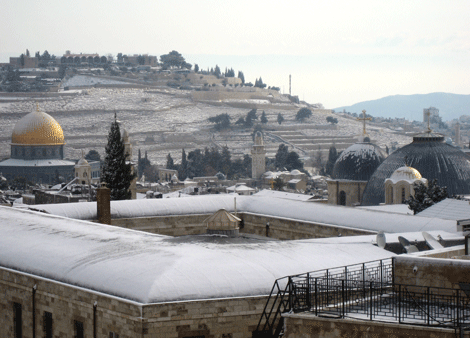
[(358, 162), (37, 128), (295, 172), (405, 174)]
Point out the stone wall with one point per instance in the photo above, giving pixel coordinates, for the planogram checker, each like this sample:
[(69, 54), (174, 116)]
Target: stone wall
[(280, 228), (67, 304), (352, 189), (287, 229), (166, 225), (301, 325), (218, 318), (434, 272)]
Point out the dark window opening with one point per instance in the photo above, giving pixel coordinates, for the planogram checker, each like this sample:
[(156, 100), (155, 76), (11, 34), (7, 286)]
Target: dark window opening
[(18, 322), (113, 335), (78, 329), (47, 325), (342, 198), (403, 195)]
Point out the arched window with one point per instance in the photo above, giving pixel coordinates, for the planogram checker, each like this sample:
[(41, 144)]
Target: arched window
[(403, 197), (391, 195), (342, 198)]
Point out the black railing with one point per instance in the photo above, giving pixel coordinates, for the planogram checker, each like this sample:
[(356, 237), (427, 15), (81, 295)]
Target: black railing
[(300, 292), (405, 304)]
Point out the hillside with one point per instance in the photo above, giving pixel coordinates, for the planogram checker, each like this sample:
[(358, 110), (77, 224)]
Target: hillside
[(451, 106)]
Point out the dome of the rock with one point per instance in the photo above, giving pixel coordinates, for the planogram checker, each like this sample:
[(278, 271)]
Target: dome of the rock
[(432, 158), (37, 128), (358, 162)]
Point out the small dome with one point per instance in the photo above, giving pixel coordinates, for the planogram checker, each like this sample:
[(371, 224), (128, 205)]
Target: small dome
[(295, 172), (82, 161), (406, 174), (37, 128), (358, 162)]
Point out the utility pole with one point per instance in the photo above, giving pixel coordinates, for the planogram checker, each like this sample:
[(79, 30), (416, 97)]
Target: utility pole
[(290, 93)]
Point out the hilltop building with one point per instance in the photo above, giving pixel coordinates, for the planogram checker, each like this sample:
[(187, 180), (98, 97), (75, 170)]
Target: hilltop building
[(258, 157)]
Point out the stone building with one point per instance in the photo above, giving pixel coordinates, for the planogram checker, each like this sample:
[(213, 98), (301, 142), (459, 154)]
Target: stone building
[(351, 172), (61, 277), (37, 151), (399, 187)]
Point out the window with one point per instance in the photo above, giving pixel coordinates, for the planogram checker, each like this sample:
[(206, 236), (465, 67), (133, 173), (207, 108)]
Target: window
[(113, 335), (18, 322), (403, 195), (391, 195), (342, 198), (78, 329), (47, 324)]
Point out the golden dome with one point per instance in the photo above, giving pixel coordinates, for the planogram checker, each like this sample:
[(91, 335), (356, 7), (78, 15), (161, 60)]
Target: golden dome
[(406, 173), (37, 128)]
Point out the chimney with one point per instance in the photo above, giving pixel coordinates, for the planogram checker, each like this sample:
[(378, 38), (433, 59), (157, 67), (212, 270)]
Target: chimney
[(103, 204)]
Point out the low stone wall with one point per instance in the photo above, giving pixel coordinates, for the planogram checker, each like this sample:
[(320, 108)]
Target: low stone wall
[(434, 272), (301, 325), (287, 229), (217, 318), (166, 225), (279, 228)]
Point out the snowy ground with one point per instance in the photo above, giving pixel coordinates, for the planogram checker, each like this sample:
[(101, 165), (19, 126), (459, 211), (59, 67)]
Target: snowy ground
[(162, 121)]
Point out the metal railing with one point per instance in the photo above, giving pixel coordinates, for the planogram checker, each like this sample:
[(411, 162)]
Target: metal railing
[(405, 304), (299, 292)]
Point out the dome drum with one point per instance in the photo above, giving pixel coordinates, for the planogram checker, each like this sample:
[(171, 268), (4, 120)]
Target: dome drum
[(37, 152)]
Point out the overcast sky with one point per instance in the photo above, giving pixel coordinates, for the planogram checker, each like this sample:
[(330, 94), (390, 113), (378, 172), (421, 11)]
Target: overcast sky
[(338, 52)]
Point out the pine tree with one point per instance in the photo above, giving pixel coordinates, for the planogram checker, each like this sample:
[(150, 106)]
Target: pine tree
[(332, 157), (264, 119), (115, 171), (170, 164), (183, 167), (425, 196)]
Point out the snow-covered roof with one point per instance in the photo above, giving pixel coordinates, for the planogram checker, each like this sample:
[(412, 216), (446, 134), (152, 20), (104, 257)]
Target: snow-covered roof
[(449, 208), (276, 207), (150, 268), (16, 162), (392, 208)]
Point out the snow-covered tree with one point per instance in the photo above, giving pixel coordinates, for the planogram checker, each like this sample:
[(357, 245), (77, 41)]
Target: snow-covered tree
[(116, 172), (425, 196)]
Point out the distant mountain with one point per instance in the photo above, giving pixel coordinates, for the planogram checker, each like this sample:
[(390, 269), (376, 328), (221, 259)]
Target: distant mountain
[(451, 106)]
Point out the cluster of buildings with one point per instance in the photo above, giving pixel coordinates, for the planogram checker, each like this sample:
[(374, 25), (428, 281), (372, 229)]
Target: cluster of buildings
[(204, 266)]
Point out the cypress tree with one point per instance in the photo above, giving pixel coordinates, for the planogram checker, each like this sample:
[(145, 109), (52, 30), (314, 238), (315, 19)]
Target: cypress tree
[(115, 171)]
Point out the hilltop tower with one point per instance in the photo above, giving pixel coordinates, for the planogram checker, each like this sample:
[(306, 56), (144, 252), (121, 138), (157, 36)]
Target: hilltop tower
[(258, 157)]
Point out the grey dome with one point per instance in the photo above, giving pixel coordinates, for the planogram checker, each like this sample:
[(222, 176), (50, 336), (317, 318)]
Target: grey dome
[(432, 157), (358, 162)]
